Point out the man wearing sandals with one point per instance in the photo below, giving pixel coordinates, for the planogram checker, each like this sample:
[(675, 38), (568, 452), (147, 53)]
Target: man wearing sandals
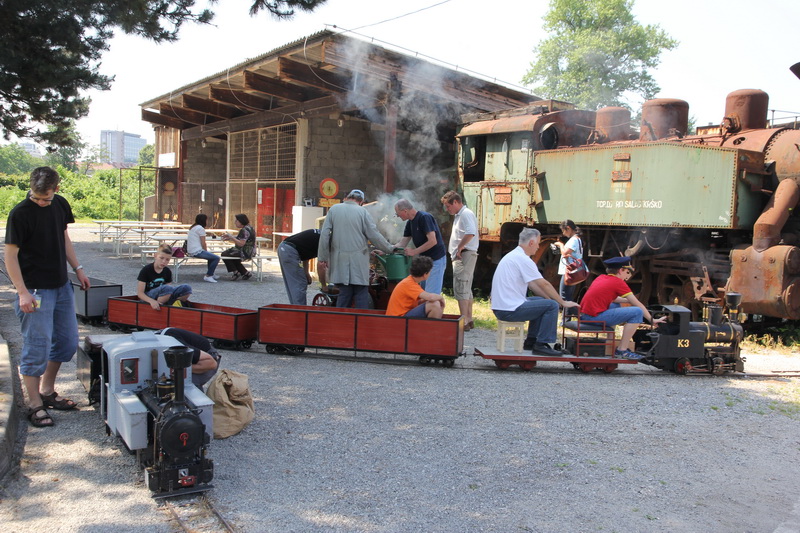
[(37, 250)]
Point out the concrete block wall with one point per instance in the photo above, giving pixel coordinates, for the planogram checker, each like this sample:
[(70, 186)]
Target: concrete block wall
[(205, 165), (351, 154)]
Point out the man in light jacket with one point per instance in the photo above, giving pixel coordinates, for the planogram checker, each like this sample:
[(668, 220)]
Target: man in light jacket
[(343, 249)]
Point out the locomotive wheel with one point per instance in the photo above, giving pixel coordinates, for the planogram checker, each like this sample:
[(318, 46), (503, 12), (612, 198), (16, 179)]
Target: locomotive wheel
[(717, 366), (322, 300), (246, 344), (272, 348), (502, 365), (682, 366)]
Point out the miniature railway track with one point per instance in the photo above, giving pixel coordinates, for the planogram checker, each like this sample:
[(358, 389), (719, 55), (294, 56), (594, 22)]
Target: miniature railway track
[(195, 514), (629, 371)]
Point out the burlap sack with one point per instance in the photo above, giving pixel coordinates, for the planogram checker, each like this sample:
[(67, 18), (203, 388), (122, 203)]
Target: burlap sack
[(233, 403)]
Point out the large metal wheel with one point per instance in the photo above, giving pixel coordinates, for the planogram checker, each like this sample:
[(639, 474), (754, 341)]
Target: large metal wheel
[(527, 365), (717, 366), (448, 363), (424, 360), (272, 348), (247, 344)]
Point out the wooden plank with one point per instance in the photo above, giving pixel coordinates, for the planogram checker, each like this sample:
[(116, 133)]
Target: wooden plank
[(185, 114), (211, 107), (279, 89), (161, 120), (314, 77), (238, 98)]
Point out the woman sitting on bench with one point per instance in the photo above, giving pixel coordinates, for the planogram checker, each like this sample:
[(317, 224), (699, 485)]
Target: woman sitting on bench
[(244, 246)]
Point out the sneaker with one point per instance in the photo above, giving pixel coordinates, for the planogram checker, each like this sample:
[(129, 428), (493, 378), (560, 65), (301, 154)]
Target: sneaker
[(248, 275), (541, 348), (216, 276), (209, 279), (627, 354)]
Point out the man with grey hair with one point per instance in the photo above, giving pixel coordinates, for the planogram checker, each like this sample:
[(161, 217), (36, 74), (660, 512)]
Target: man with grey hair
[(422, 228), (37, 250), (344, 251), (515, 274)]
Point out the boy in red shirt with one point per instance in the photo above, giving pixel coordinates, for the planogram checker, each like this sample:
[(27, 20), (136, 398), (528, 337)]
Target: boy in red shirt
[(409, 299), (602, 303)]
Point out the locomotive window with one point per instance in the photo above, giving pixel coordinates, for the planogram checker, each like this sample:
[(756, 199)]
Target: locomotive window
[(548, 136), (473, 157), (129, 371)]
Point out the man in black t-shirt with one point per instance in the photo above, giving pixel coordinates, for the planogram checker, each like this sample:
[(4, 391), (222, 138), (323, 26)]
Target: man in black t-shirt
[(205, 359), (294, 255), (37, 250)]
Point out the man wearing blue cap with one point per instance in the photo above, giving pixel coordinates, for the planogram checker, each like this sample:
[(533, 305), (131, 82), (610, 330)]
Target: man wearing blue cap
[(602, 302), (344, 251), (515, 274)]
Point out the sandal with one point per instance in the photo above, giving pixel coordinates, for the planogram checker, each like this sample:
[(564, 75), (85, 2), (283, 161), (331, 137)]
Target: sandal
[(247, 275), (64, 404), (38, 420)]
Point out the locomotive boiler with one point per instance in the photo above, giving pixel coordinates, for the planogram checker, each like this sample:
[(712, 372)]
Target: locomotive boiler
[(152, 405), (701, 215)]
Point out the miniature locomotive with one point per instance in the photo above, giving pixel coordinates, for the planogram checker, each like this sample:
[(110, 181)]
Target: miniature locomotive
[(682, 346), (151, 404)]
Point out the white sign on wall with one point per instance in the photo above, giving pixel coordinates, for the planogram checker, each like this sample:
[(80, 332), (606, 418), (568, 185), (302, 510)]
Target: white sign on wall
[(166, 160)]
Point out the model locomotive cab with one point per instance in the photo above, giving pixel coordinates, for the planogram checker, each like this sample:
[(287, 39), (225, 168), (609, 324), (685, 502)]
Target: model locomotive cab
[(152, 405)]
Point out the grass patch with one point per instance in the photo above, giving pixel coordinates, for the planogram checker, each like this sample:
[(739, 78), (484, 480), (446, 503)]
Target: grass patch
[(482, 313)]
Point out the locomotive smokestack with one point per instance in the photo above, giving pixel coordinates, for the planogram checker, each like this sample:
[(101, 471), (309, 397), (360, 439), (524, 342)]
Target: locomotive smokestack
[(795, 69), (178, 358)]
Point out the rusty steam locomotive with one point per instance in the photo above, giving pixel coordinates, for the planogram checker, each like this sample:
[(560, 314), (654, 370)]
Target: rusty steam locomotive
[(701, 214)]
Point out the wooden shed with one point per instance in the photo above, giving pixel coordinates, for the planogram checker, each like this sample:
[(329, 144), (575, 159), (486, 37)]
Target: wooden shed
[(263, 135)]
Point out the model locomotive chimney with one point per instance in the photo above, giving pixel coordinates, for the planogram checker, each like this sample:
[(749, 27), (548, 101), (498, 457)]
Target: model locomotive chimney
[(178, 358)]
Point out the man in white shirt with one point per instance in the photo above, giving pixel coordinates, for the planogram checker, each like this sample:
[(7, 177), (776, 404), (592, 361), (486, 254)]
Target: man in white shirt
[(463, 249), (515, 274)]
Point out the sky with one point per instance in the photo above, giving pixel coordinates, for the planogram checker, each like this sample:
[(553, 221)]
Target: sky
[(723, 46)]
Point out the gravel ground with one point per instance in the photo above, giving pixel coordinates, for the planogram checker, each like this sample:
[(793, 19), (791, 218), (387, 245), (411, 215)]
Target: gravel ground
[(344, 446)]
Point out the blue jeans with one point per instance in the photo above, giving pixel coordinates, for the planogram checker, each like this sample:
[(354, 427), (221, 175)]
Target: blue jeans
[(353, 293), (213, 260), (174, 291), (294, 274), (50, 333), (541, 313), (434, 282), (616, 315)]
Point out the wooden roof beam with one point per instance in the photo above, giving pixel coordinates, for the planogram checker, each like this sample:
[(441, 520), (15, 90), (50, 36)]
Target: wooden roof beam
[(185, 114), (210, 107), (279, 89), (162, 120), (313, 76), (238, 98)]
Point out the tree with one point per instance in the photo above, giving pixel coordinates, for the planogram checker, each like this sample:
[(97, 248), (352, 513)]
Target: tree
[(15, 160), (596, 53), (52, 51), (147, 155), (68, 154)]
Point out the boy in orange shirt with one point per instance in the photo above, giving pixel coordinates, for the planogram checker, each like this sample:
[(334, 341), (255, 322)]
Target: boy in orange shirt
[(409, 299)]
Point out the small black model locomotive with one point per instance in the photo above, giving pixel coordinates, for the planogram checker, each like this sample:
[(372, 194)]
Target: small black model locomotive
[(682, 346)]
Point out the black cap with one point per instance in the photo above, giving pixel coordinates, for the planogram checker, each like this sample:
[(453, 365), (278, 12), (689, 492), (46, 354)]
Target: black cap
[(618, 262)]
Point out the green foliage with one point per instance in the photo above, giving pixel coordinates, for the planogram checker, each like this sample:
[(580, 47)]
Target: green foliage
[(68, 155), (52, 51), (91, 197), (596, 53), (147, 155), (15, 160)]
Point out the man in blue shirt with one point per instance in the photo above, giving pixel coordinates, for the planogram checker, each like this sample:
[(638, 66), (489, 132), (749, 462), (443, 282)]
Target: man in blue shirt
[(422, 229)]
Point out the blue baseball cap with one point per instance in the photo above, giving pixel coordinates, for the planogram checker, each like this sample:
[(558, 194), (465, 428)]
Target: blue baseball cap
[(356, 192), (618, 262)]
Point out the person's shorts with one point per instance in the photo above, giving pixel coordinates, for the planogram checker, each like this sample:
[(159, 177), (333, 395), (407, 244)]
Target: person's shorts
[(417, 312), (463, 273)]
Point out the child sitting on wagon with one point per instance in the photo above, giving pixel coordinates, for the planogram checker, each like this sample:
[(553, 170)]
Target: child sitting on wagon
[(154, 282), (408, 297)]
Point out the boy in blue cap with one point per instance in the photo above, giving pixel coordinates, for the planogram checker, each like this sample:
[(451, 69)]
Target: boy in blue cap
[(602, 302)]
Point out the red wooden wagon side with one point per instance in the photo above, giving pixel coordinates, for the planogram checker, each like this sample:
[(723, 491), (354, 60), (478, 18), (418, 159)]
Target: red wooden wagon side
[(295, 327), (217, 322)]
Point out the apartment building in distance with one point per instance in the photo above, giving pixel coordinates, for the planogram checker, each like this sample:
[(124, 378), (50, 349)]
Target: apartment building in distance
[(120, 148)]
